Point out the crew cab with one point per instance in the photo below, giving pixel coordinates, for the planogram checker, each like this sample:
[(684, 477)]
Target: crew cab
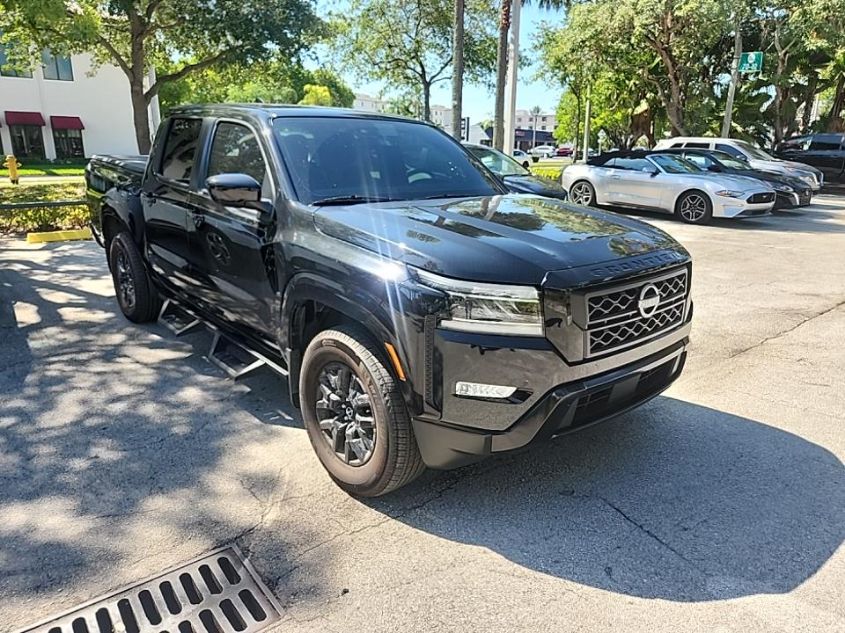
[(825, 152), (424, 315)]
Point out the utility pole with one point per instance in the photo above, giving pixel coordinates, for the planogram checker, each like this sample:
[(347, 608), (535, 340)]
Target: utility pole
[(458, 70), (510, 83), (729, 104), (587, 108)]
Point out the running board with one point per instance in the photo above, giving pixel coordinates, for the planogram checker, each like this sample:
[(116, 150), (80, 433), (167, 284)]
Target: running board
[(176, 319)]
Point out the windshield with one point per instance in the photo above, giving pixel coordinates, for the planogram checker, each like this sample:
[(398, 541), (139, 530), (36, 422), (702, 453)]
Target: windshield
[(675, 164), (730, 162), (498, 163), (754, 152), (361, 159)]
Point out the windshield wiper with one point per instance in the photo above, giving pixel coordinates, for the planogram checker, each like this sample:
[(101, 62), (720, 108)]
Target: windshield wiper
[(449, 195), (351, 199)]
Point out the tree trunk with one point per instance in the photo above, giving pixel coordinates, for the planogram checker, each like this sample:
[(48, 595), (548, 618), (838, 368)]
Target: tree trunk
[(809, 100), (140, 116), (426, 101), (834, 119), (729, 103), (501, 72), (458, 70)]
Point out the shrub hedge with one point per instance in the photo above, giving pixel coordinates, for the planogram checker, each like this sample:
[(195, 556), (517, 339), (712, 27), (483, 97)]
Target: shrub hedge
[(43, 218)]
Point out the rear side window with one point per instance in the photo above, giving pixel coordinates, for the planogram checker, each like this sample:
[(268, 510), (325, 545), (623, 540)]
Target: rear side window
[(235, 150), (698, 145), (700, 160), (729, 149), (634, 164), (180, 149), (825, 143)]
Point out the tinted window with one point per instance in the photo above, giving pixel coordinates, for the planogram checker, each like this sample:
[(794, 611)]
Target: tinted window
[(729, 149), (235, 150), (825, 143), (330, 157), (698, 145), (633, 164), (6, 70), (497, 162), (180, 149), (675, 164)]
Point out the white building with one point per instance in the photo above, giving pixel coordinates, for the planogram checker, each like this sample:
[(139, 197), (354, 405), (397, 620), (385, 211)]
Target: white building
[(61, 110), (369, 104), (545, 121)]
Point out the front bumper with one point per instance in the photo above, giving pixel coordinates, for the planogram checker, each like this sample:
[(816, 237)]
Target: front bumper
[(786, 200), (735, 208), (588, 395)]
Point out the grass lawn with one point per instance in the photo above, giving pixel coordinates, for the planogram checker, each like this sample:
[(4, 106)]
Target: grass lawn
[(43, 218), (44, 169)]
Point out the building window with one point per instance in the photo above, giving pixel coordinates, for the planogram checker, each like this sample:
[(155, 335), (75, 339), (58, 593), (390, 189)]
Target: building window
[(6, 70), (542, 127), (56, 66), (27, 141), (68, 143), (544, 120)]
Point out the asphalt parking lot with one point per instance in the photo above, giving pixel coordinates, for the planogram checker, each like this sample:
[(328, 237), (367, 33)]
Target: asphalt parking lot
[(719, 506)]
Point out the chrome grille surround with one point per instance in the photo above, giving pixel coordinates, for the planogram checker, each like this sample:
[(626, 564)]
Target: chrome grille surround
[(613, 319)]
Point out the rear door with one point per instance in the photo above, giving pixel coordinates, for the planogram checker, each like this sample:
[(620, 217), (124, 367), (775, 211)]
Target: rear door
[(633, 183), (232, 255), (165, 196), (825, 153)]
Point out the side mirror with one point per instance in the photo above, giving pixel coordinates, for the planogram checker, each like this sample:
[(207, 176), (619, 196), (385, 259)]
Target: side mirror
[(234, 190), (743, 158), (714, 168)]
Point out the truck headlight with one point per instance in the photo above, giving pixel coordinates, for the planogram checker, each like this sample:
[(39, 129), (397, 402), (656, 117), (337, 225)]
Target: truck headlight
[(728, 193), (487, 308)]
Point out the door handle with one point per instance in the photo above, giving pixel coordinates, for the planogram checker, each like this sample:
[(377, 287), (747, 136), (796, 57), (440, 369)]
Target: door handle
[(198, 218)]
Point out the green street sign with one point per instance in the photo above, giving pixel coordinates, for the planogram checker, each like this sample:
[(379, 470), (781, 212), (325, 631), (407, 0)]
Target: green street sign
[(751, 62)]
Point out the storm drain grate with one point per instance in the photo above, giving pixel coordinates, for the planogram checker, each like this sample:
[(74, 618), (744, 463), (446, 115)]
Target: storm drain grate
[(218, 593)]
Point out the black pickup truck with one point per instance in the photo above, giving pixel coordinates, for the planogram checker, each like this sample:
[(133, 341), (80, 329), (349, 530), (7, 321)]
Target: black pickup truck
[(825, 152), (424, 315)]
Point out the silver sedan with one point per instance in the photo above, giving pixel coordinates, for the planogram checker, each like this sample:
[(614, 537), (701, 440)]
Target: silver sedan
[(663, 182)]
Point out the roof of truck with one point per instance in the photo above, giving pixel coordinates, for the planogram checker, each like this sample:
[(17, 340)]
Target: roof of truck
[(275, 109)]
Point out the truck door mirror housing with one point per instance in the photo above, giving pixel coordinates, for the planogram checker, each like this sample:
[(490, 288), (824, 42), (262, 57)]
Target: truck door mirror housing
[(234, 190)]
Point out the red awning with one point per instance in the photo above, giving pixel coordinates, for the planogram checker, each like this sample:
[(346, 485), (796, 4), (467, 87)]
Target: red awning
[(66, 123), (24, 118)]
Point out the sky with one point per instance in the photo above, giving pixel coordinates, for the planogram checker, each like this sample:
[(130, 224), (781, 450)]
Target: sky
[(478, 101)]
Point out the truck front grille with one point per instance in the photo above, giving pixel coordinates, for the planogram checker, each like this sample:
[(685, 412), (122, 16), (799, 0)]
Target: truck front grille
[(622, 317)]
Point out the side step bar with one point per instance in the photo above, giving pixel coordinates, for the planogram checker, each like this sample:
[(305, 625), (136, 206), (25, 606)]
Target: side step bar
[(233, 357)]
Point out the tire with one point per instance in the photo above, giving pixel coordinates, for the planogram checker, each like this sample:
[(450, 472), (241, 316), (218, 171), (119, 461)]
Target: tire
[(136, 296), (694, 207), (583, 193), (392, 458)]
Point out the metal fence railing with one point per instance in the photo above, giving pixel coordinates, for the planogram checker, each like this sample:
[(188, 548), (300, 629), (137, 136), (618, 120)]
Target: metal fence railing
[(16, 206)]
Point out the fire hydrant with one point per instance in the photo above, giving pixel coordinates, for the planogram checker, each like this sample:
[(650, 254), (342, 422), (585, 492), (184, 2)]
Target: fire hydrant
[(12, 165)]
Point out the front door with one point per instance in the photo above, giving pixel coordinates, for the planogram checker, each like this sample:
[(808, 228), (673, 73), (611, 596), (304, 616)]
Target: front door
[(232, 254), (166, 197)]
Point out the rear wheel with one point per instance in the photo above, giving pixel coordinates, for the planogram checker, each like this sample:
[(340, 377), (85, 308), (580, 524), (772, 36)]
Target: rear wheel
[(694, 207), (136, 296), (355, 414), (583, 193)]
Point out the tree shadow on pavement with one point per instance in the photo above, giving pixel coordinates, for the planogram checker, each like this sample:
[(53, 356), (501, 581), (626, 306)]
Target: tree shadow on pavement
[(673, 501), (122, 450)]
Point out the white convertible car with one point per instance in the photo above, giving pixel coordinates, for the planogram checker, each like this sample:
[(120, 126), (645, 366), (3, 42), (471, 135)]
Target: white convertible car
[(665, 182)]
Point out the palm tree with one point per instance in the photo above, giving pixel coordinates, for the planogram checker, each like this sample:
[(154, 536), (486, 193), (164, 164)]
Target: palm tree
[(458, 70), (535, 112), (502, 63)]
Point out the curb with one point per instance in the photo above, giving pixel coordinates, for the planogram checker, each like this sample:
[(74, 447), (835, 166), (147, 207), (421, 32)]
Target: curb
[(58, 236)]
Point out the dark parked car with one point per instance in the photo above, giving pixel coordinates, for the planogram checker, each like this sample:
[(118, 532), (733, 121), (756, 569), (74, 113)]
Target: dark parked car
[(791, 192), (823, 151), (423, 315), (515, 176), (563, 151)]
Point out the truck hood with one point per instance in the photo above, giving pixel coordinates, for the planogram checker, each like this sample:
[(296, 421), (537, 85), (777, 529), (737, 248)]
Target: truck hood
[(530, 183), (501, 239), (782, 166), (732, 181)]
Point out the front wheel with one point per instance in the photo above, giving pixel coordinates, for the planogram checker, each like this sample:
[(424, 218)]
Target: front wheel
[(583, 193), (355, 414), (135, 293), (694, 207)]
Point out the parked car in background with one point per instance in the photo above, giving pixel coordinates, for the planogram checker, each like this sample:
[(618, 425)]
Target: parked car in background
[(664, 182), (564, 151), (543, 151), (754, 156), (825, 152), (524, 159), (791, 192), (422, 315), (515, 175)]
